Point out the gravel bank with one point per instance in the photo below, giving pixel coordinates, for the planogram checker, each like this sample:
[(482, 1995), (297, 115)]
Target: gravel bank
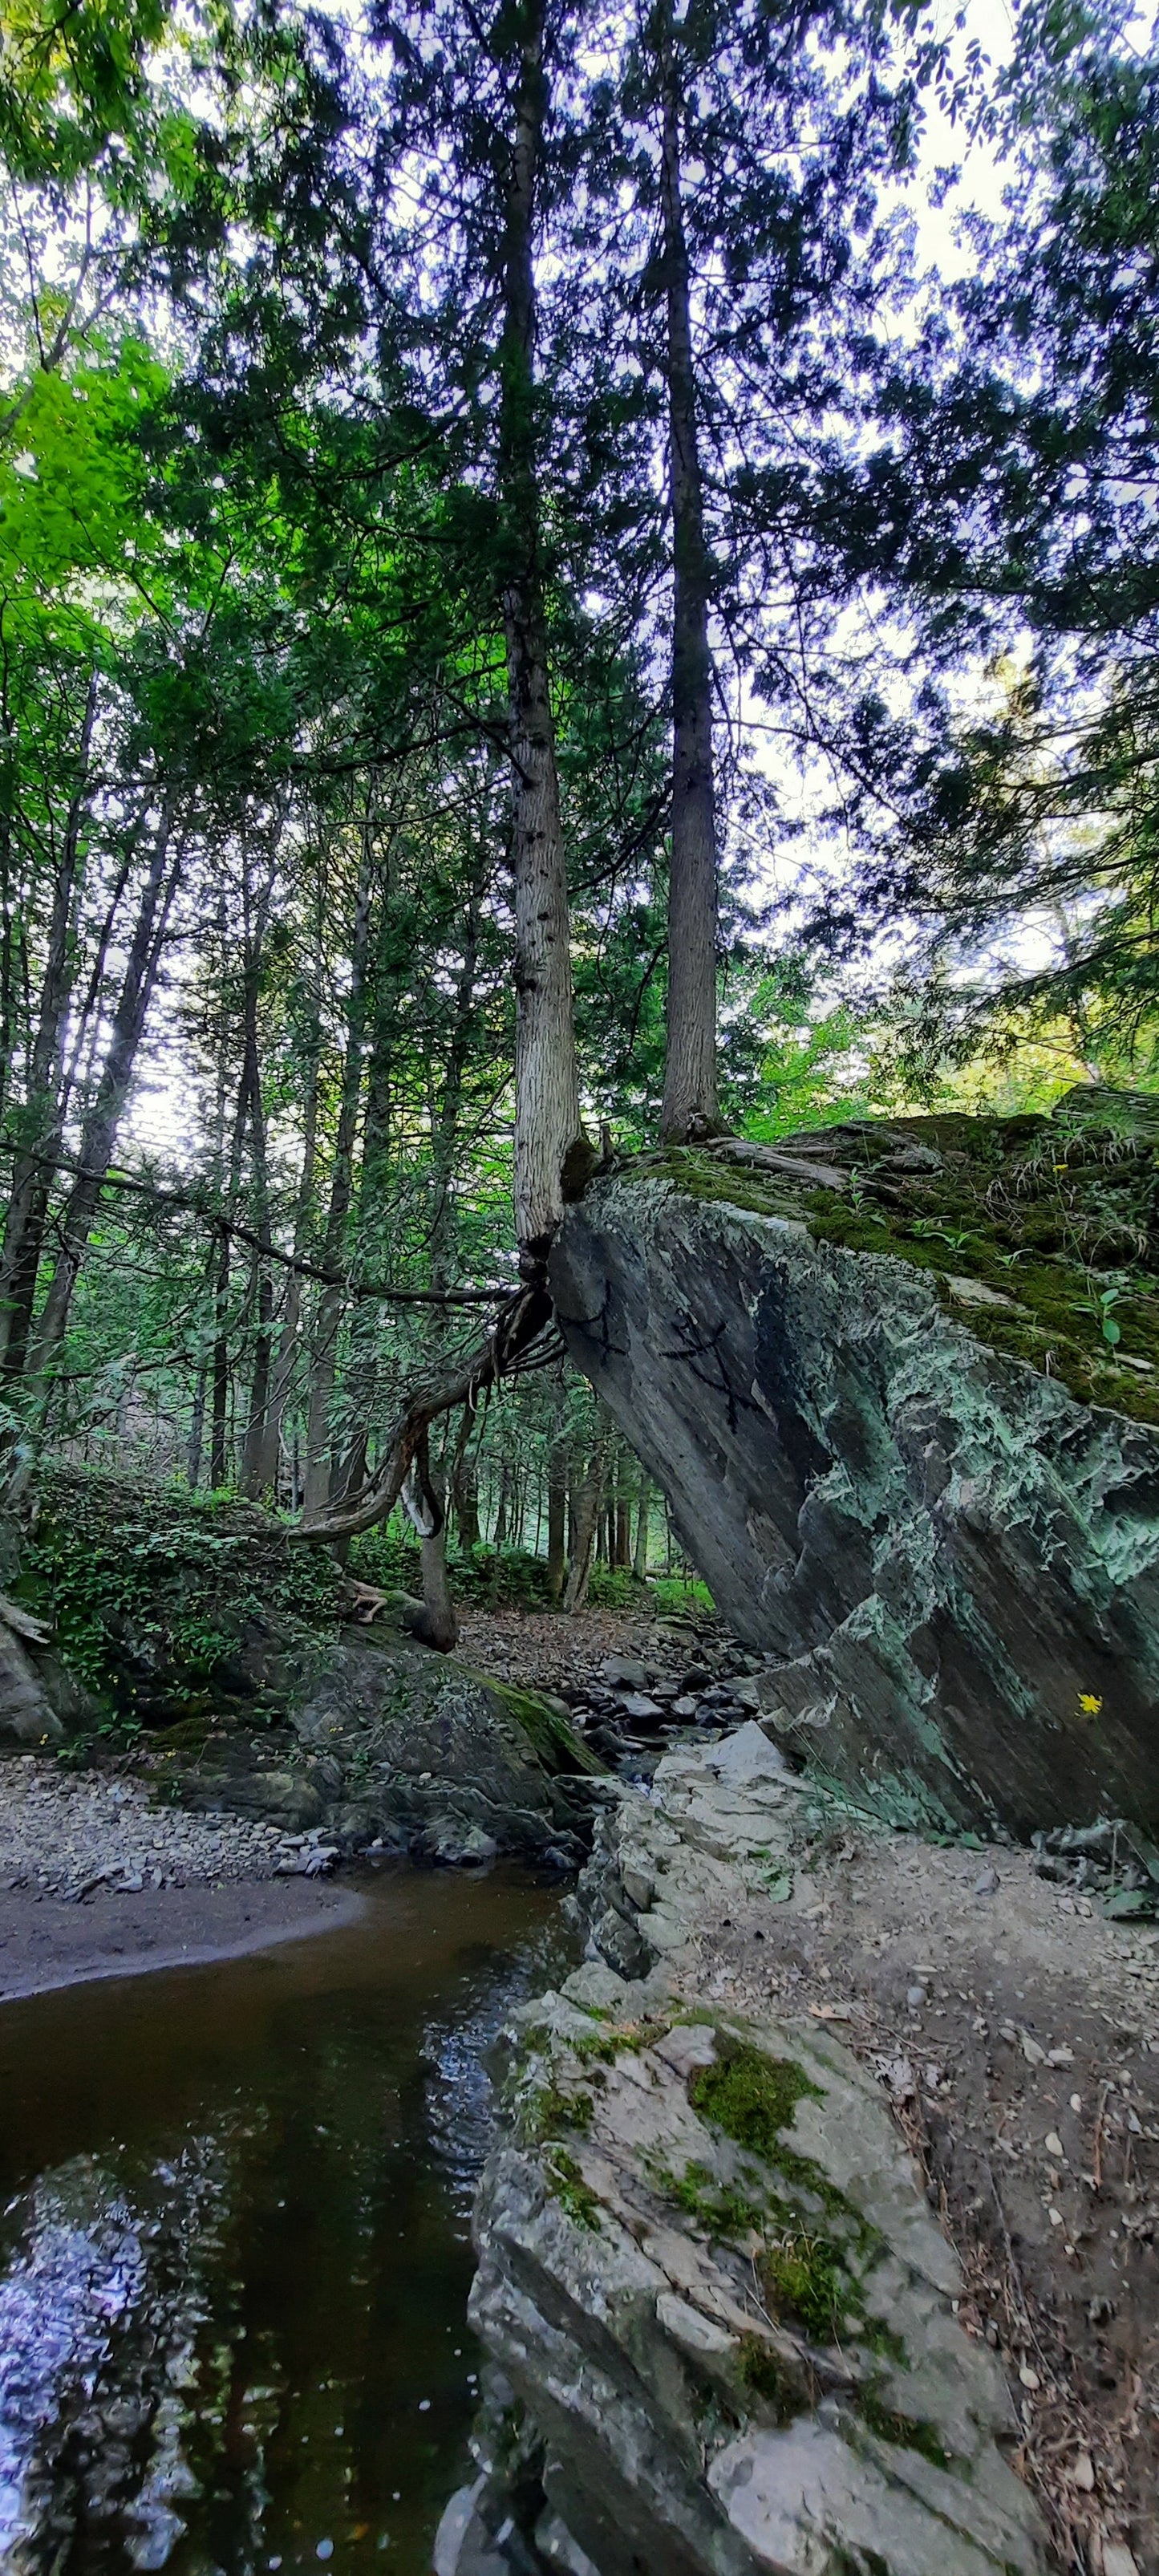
[(96, 1881), (65, 1834)]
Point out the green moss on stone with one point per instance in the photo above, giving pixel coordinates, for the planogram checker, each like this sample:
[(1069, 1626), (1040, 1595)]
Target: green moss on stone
[(549, 1734), (763, 2373), (750, 2096), (546, 2110), (804, 2277), (901, 2430), (1048, 1212), (567, 2185)]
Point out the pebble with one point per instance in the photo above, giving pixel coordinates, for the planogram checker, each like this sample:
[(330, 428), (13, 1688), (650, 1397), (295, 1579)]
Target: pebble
[(71, 1833), (915, 1996)]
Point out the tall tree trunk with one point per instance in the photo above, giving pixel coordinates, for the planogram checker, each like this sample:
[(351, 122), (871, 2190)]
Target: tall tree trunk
[(331, 1304), (640, 1559), (689, 1105), (259, 1467), (28, 1202), (547, 1116), (100, 1128), (465, 1496), (586, 1523), (288, 1338), (557, 1467)]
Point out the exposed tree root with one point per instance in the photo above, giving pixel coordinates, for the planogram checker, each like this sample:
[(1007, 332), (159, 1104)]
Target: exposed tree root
[(521, 1321)]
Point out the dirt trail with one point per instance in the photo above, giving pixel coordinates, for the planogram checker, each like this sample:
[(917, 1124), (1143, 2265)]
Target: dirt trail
[(1017, 2033)]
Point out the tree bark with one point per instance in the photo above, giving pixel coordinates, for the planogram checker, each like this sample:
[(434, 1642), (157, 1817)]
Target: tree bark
[(640, 1559), (28, 1200), (587, 1520), (690, 1106), (557, 1467), (547, 1114), (332, 1301), (100, 1128)]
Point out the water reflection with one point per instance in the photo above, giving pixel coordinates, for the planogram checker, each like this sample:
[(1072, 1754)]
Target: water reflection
[(234, 2257)]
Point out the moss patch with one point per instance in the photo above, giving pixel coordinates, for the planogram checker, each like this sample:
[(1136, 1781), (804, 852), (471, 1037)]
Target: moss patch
[(550, 1735), (569, 2188), (751, 2097), (764, 2375), (545, 2111), (1060, 1215), (804, 2277), (901, 2430)]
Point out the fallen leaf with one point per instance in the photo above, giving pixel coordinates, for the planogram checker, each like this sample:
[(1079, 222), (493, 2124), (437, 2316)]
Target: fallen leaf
[(1029, 2377), (1082, 2474), (1054, 2145), (1034, 2055)]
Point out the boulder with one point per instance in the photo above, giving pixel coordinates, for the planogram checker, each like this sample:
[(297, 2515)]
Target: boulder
[(393, 1744), (938, 1521)]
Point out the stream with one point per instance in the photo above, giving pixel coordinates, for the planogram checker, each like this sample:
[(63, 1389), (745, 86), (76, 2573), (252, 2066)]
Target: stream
[(234, 2242)]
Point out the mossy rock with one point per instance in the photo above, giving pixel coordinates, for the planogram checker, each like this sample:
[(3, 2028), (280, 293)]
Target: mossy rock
[(914, 1454)]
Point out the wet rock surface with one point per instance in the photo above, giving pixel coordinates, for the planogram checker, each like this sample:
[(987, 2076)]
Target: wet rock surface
[(950, 1561)]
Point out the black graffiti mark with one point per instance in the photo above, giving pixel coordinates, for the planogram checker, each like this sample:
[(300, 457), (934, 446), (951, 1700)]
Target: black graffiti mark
[(696, 1347), (596, 1327)]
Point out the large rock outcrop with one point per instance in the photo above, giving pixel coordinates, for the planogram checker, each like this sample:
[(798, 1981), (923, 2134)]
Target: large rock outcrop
[(708, 2274), (891, 1471)]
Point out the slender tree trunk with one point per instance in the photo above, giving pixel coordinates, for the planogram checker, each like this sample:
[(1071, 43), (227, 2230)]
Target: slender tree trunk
[(689, 1106), (465, 1496), (259, 1467), (557, 1466), (288, 1338), (28, 1202), (586, 1523), (332, 1302), (547, 1116), (100, 1128), (640, 1559)]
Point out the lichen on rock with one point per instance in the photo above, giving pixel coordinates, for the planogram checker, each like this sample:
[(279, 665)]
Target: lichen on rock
[(937, 1513)]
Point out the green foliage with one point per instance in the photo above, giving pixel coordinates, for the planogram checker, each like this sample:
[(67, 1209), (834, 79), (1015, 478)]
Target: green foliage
[(149, 1591)]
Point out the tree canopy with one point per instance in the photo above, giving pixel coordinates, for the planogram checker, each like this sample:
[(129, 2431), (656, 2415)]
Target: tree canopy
[(563, 575)]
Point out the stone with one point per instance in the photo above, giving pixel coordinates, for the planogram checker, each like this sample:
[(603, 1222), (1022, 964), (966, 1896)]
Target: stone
[(952, 1558), (689, 2419)]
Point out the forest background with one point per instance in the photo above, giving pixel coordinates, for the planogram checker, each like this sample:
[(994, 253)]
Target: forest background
[(781, 385)]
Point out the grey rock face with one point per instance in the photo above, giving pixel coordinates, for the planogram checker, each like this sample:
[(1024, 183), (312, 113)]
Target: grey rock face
[(404, 1748), (946, 1553), (738, 2358)]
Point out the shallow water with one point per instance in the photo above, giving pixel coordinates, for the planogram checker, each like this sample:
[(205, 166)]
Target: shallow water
[(234, 2253)]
